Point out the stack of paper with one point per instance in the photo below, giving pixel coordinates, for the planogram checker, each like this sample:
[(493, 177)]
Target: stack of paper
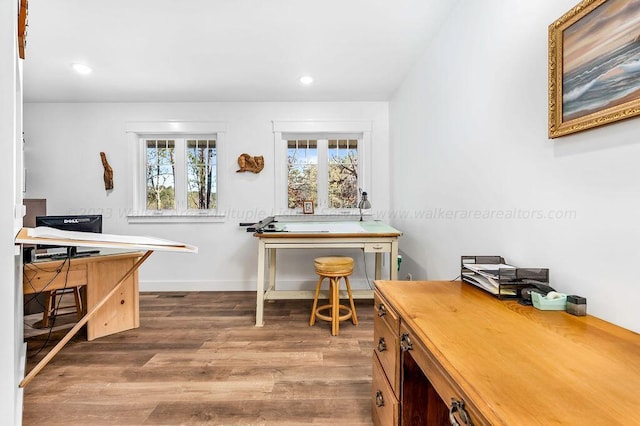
[(485, 275)]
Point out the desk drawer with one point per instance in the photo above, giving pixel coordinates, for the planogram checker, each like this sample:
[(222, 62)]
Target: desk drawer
[(36, 281), (386, 346), (377, 247), (384, 404), (445, 386), (385, 313)]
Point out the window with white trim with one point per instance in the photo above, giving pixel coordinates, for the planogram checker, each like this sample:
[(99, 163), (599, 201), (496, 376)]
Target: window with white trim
[(180, 173), (324, 162), (324, 171), (175, 171)]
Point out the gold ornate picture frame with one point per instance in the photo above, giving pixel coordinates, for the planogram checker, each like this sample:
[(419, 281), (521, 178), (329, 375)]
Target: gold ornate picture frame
[(594, 66)]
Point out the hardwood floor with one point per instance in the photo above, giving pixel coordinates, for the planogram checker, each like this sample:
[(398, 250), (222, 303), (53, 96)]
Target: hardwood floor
[(198, 359)]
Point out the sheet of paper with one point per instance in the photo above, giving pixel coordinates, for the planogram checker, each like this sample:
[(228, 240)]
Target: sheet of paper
[(489, 270), (317, 227), (484, 282), (89, 239)]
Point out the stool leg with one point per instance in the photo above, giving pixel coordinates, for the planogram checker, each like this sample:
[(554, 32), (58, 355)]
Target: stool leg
[(354, 317), (76, 296), (335, 306), (312, 321)]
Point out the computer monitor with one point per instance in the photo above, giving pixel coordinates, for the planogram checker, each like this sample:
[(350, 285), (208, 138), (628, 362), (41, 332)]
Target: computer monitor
[(80, 223)]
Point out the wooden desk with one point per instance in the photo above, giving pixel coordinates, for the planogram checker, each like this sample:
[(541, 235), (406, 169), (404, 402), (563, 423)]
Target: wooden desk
[(371, 236), (439, 342), (99, 274)]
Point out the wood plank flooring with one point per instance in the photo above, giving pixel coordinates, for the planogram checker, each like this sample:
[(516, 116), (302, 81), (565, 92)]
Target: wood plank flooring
[(198, 359)]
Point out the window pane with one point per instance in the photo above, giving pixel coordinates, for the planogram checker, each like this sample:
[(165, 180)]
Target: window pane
[(343, 173), (302, 166), (160, 174), (201, 174)]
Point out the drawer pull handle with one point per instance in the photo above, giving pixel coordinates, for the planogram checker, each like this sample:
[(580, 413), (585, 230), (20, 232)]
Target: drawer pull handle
[(379, 399), (458, 407), (382, 311), (378, 247), (405, 343), (382, 345)]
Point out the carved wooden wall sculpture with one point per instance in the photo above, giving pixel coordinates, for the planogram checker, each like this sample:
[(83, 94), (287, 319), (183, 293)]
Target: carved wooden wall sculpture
[(248, 163), (108, 172)]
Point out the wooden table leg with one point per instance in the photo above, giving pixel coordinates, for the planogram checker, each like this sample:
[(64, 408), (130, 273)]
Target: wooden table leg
[(260, 285)]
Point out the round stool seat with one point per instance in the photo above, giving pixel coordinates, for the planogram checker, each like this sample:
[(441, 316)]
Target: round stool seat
[(336, 266)]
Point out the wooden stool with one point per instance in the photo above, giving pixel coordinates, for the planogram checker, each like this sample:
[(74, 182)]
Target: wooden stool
[(51, 303), (334, 268)]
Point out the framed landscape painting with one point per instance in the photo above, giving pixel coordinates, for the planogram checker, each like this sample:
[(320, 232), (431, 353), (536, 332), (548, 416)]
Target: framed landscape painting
[(594, 66)]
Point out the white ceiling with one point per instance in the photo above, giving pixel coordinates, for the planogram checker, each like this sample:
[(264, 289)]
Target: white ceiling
[(224, 50)]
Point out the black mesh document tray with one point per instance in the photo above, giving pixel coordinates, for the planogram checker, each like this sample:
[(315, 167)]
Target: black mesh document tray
[(493, 275)]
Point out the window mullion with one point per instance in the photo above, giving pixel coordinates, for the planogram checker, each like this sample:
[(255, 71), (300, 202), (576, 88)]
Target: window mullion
[(364, 162), (140, 185), (323, 173), (180, 174)]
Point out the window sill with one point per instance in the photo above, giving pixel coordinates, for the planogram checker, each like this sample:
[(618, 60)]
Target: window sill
[(319, 217), (176, 218)]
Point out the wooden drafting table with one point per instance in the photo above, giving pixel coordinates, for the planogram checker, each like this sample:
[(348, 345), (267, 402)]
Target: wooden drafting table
[(97, 274), (371, 236), (112, 277)]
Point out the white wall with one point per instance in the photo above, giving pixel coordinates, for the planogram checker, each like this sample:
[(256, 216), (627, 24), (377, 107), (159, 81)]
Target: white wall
[(12, 347), (471, 121), (62, 148)]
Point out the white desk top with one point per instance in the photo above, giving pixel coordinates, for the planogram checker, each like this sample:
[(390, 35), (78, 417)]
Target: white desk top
[(333, 229)]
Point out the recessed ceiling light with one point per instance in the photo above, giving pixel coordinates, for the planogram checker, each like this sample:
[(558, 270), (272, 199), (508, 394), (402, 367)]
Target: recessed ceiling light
[(82, 69), (306, 80)]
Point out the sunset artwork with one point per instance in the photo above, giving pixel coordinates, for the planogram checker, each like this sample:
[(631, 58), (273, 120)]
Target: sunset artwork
[(602, 59), (598, 57)]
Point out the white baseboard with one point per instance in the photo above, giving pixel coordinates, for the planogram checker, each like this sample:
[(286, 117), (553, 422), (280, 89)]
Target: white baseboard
[(358, 284)]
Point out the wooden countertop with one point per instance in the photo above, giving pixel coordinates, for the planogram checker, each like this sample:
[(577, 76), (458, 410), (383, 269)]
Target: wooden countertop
[(520, 365)]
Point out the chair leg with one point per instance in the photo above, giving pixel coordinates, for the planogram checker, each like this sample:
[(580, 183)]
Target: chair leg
[(354, 317), (49, 301), (79, 308), (53, 299)]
